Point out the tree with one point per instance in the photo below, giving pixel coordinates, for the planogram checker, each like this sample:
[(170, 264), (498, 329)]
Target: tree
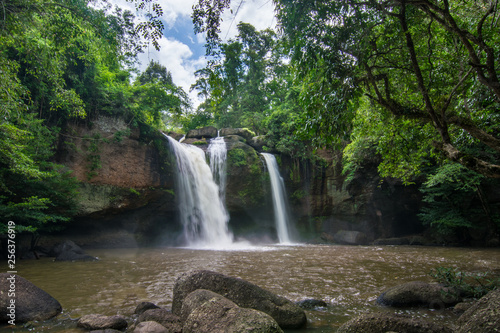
[(157, 99), (426, 61), (236, 82)]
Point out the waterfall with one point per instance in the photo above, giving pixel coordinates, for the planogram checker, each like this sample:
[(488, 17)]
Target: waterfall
[(202, 211), (281, 216), (217, 154)]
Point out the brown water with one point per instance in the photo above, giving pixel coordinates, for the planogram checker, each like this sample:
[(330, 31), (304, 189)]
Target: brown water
[(349, 279)]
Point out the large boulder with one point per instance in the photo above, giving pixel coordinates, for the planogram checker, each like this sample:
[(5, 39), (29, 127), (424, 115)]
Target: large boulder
[(483, 316), (101, 322), (350, 237), (70, 251), (219, 314), (29, 303), (243, 293), (194, 300), (385, 322), (243, 132), (419, 293), (200, 133)]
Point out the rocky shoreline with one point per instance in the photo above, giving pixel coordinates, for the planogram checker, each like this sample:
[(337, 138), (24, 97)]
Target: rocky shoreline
[(207, 301)]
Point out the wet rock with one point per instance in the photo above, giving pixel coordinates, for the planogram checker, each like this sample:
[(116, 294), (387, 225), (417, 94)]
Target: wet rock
[(65, 246), (310, 304), (419, 293), (107, 330), (101, 322), (349, 237), (221, 315), (483, 316), (69, 251), (259, 142), (384, 322), (143, 306), (243, 132), (241, 292), (205, 132), (150, 327), (175, 136), (460, 308), (164, 317), (194, 300), (31, 302)]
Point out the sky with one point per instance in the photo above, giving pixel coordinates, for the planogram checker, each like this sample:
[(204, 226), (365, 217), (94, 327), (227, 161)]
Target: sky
[(182, 52)]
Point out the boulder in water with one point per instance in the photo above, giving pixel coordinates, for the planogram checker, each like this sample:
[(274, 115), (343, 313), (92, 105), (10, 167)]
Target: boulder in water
[(243, 293), (194, 300), (150, 327), (483, 316), (164, 317), (31, 302), (385, 322), (143, 306), (219, 314), (419, 293), (100, 322), (69, 251), (310, 304)]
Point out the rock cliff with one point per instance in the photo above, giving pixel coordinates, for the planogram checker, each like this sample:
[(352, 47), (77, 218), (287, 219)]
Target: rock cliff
[(127, 191)]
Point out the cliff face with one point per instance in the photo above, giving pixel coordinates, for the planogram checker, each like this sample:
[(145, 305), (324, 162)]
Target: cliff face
[(127, 192)]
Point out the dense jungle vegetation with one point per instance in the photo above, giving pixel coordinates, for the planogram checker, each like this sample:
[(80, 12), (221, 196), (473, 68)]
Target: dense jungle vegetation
[(412, 84)]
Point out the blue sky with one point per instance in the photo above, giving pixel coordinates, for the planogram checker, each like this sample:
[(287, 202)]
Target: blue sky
[(183, 52)]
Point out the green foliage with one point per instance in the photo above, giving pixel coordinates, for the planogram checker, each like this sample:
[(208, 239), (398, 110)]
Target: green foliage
[(448, 194), (36, 194), (65, 63), (237, 157), (467, 284)]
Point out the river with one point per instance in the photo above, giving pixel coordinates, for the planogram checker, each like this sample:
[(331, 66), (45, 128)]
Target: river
[(348, 278)]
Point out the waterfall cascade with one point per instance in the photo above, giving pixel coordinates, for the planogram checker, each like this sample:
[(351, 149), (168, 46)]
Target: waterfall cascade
[(202, 211), (281, 215), (217, 154)]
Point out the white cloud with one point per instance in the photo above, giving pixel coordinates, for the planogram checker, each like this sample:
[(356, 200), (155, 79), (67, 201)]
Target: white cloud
[(177, 56), (259, 13)]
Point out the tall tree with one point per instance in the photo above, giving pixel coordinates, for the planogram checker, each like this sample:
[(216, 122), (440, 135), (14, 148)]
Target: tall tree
[(427, 61)]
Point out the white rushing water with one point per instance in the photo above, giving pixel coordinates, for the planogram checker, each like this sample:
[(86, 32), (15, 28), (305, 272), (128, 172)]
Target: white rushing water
[(202, 211), (281, 216), (217, 154)]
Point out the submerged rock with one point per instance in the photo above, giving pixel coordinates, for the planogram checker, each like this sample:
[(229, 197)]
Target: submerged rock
[(220, 315), (419, 293), (483, 316), (310, 304), (243, 293), (100, 322), (31, 302), (384, 322)]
